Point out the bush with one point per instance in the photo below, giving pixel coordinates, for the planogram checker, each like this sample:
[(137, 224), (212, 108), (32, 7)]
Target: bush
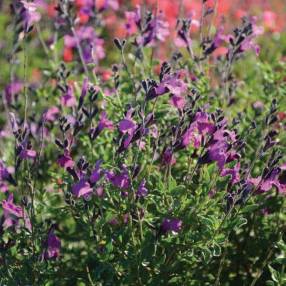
[(153, 158)]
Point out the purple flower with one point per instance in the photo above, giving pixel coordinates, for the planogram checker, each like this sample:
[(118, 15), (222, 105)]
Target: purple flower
[(68, 99), (12, 89), (191, 135), (91, 45), (113, 4), (128, 126), (65, 161), (170, 83), (53, 246), (218, 39), (178, 101), (233, 173), (133, 20), (4, 173), (204, 125), (96, 173), (120, 180), (81, 188), (258, 106), (30, 13), (276, 178), (99, 192), (84, 88), (173, 225), (168, 157), (104, 122), (51, 113), (156, 29), (218, 153), (13, 213), (198, 128), (3, 187), (219, 147), (28, 154), (173, 84), (142, 190), (183, 38)]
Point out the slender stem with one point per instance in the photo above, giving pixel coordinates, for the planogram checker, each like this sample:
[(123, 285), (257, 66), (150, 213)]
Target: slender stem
[(220, 267), (25, 80), (80, 52), (45, 48), (270, 253)]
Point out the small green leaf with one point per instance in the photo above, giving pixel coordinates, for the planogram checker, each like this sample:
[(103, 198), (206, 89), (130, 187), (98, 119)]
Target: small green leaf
[(274, 274), (250, 208)]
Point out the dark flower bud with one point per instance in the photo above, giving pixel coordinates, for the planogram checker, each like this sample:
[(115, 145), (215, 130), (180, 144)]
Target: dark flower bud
[(253, 125), (94, 112), (59, 143), (80, 103), (115, 68), (136, 170), (144, 85), (68, 126), (73, 173), (85, 111), (117, 44), (24, 201)]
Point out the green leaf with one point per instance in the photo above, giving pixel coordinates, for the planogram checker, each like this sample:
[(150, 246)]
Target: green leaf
[(269, 283), (274, 274), (250, 208)]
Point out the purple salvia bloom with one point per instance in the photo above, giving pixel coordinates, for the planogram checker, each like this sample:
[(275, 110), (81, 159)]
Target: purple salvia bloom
[(51, 113), (65, 161), (12, 89), (174, 84), (13, 213), (30, 13), (183, 38), (96, 173), (218, 152), (170, 83), (142, 190), (104, 122), (173, 225), (156, 29), (178, 101), (204, 124), (233, 173), (53, 246), (113, 4), (120, 180), (192, 135), (277, 179), (168, 157), (81, 188), (91, 45), (68, 99), (3, 187), (99, 191), (28, 154), (127, 125), (200, 127), (4, 173), (84, 88)]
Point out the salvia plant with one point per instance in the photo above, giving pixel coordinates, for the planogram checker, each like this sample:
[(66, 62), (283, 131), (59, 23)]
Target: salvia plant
[(142, 143)]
